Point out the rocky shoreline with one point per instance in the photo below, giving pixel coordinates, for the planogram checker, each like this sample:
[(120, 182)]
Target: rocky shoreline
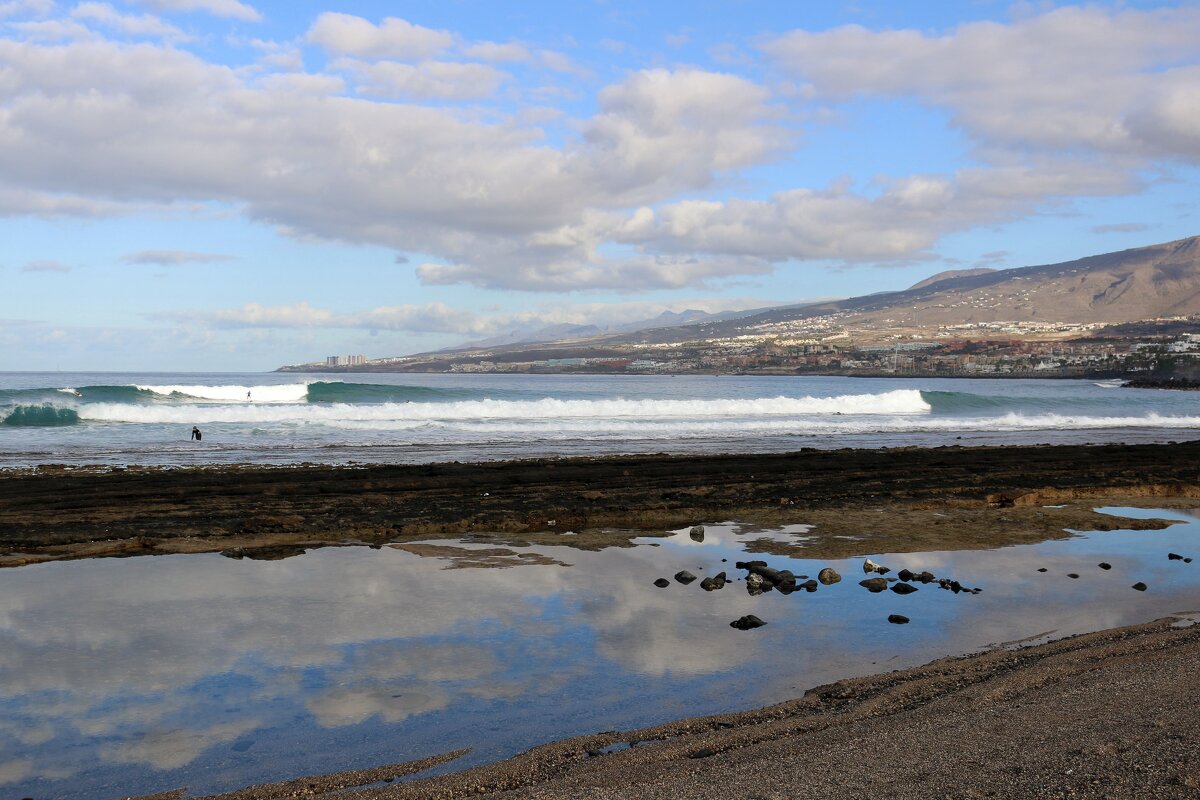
[(897, 500)]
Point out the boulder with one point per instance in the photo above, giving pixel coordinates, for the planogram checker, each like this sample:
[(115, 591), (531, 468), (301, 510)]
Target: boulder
[(874, 584), (904, 588), (684, 577), (1141, 587), (809, 585), (662, 583), (1104, 565), (747, 622), (906, 574), (1073, 575), (926, 577), (1174, 557), (715, 582), (828, 576), (697, 533), (897, 619), (755, 585)]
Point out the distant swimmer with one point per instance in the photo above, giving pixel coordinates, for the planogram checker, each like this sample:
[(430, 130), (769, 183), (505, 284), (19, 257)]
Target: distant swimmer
[(196, 435)]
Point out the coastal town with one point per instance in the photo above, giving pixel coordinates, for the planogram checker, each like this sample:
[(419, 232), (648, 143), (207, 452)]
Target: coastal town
[(826, 346)]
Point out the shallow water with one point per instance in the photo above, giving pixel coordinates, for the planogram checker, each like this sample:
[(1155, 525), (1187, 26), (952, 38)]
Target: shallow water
[(123, 676)]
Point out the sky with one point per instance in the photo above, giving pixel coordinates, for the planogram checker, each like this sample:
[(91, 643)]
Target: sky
[(229, 185)]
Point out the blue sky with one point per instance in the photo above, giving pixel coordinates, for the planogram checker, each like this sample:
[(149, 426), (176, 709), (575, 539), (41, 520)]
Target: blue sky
[(229, 185)]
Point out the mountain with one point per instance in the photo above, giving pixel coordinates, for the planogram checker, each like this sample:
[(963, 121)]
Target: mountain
[(1144, 283), (951, 273), (568, 331)]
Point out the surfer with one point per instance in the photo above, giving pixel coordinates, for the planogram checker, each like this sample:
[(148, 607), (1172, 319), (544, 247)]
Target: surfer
[(196, 435), (248, 397)]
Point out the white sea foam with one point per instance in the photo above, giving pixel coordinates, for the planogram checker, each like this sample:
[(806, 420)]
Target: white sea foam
[(902, 401), (284, 393)]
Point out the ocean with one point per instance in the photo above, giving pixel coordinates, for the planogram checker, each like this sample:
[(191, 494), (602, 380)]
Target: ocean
[(274, 418)]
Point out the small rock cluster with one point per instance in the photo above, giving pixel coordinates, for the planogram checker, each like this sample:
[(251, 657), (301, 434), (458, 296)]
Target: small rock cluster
[(761, 577)]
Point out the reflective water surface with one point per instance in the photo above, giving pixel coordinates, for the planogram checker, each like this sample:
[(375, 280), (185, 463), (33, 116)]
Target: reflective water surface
[(126, 676)]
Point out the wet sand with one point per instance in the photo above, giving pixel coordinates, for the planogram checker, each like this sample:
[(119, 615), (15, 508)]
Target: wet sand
[(896, 500)]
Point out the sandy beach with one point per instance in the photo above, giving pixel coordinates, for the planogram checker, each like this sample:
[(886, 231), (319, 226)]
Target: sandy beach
[(1109, 714)]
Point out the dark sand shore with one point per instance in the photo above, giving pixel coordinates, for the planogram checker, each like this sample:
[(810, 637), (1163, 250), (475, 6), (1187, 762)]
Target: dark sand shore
[(1111, 714)]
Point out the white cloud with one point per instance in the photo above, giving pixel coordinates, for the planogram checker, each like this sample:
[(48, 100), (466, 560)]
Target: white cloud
[(170, 749), (1069, 78), (172, 257), (35, 7), (46, 265), (391, 38), (428, 79), (497, 51), (128, 24), (231, 9)]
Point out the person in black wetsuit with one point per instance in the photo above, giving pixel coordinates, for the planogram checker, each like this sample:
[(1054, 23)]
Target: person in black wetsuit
[(195, 434)]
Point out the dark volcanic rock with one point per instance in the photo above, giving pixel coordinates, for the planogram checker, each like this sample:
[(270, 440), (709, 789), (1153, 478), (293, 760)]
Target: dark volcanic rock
[(1141, 587), (715, 582), (828, 576), (662, 583), (747, 623), (904, 588), (874, 584), (684, 577), (897, 619), (1104, 565)]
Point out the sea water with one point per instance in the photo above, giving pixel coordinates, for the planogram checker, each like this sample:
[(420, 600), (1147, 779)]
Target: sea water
[(137, 675), (277, 418)]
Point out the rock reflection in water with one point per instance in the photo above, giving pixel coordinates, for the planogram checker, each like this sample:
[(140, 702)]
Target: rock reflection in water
[(139, 675)]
